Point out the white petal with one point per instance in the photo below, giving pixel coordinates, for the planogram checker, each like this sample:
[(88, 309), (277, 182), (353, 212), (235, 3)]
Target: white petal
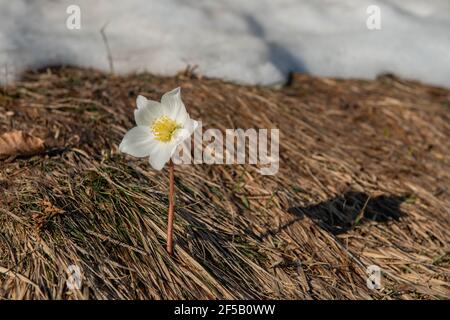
[(141, 101), (185, 132), (138, 142), (146, 113), (161, 155), (174, 107)]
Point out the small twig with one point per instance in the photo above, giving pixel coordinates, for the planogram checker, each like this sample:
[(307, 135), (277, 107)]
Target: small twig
[(361, 213), (108, 50), (171, 209)]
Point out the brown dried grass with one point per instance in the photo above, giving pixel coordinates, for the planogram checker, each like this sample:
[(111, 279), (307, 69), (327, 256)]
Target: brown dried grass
[(364, 179)]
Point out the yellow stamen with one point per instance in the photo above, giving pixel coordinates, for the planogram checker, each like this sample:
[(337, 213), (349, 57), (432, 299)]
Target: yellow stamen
[(164, 128)]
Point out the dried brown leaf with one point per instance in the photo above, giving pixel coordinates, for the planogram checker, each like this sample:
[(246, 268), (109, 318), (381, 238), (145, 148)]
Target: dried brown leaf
[(19, 143)]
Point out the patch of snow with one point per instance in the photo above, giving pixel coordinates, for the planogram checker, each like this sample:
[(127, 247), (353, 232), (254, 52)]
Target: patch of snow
[(246, 41)]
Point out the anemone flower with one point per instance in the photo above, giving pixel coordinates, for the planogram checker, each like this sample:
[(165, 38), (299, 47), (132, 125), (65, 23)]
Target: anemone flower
[(160, 128)]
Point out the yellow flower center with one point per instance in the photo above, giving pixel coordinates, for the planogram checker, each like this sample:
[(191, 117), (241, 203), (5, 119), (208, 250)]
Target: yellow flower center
[(164, 128)]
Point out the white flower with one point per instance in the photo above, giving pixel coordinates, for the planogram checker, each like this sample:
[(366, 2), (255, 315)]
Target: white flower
[(161, 127)]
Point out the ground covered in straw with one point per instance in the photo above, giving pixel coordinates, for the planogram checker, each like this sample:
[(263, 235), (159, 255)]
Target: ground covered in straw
[(364, 180)]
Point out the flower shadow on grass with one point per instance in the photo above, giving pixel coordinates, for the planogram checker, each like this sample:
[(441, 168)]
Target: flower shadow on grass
[(344, 212)]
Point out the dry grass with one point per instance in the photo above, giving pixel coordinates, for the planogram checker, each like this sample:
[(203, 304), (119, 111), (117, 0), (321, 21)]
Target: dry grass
[(364, 179)]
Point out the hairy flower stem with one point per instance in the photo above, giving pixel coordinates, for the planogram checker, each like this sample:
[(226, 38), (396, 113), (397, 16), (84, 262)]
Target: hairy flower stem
[(171, 209)]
